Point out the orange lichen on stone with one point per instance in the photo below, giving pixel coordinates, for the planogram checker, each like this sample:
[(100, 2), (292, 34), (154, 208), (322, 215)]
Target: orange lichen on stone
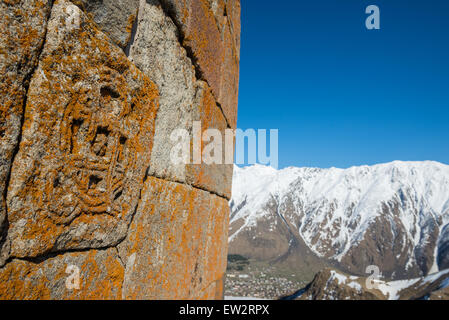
[(86, 143), (233, 13), (179, 234), (100, 277), (203, 36), (214, 291), (81, 191), (23, 25), (213, 41), (114, 17), (229, 85)]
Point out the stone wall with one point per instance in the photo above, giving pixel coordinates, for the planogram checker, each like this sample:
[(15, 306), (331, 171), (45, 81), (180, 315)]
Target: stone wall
[(90, 91)]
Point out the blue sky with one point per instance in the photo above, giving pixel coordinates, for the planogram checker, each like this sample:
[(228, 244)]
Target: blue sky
[(342, 95)]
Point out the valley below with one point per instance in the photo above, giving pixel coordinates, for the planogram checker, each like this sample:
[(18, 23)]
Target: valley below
[(259, 280)]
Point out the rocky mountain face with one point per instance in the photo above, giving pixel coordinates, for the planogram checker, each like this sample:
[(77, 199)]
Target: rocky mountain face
[(334, 285), (90, 91), (394, 216)]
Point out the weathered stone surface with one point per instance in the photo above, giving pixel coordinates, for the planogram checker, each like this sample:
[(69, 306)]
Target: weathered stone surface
[(233, 13), (202, 36), (89, 101), (23, 25), (175, 225), (213, 292), (216, 178), (113, 17), (100, 275), (183, 100), (157, 52), (229, 85), (208, 45), (218, 7), (224, 11), (86, 143)]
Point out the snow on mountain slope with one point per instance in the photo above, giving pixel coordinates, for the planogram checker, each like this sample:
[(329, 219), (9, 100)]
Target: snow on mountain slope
[(404, 204), (334, 285)]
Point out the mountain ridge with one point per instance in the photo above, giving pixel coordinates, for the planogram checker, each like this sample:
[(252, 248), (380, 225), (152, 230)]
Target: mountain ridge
[(334, 285), (392, 214)]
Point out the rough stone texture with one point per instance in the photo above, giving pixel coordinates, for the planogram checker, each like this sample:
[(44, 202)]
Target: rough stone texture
[(23, 24), (100, 275), (175, 224), (89, 100), (214, 50), (233, 12), (157, 52), (114, 17), (228, 95), (86, 142), (183, 99), (213, 177)]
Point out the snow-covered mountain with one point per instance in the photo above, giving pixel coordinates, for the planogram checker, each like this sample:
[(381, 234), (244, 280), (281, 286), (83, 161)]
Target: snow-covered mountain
[(393, 215), (334, 285)]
